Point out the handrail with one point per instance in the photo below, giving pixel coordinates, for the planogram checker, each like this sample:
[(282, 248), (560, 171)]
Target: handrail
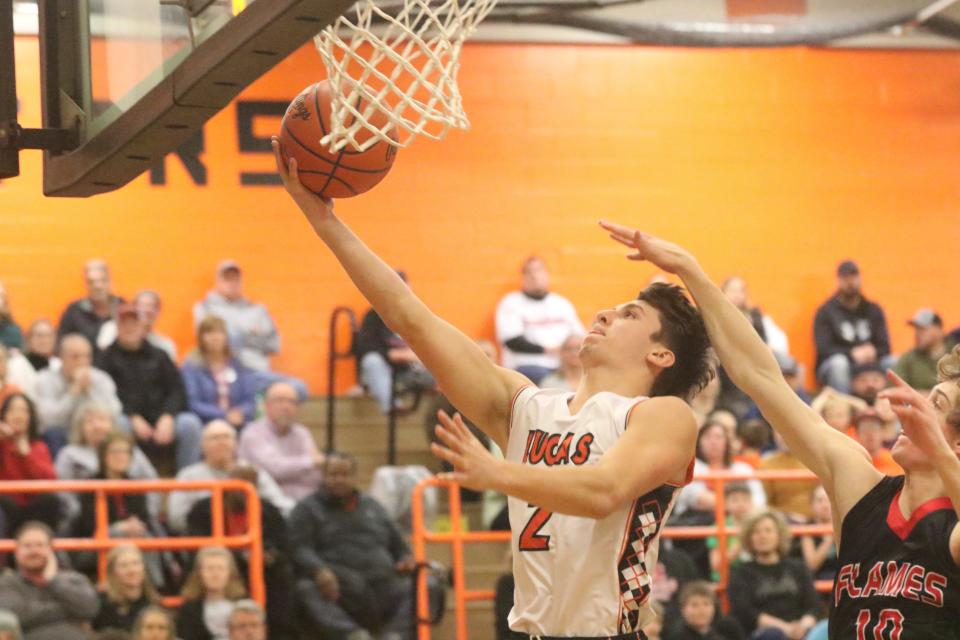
[(332, 356), (101, 542), (457, 538)]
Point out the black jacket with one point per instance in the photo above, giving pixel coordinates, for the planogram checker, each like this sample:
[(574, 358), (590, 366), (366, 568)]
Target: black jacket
[(190, 624), (113, 616), (837, 329), (724, 628), (784, 590), (358, 535), (119, 507), (148, 382), (79, 317)]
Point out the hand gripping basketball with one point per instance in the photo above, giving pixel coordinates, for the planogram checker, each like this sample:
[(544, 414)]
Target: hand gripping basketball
[(316, 208)]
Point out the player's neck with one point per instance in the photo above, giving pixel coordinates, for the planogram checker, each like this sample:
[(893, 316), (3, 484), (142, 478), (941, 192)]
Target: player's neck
[(597, 379), (919, 487)]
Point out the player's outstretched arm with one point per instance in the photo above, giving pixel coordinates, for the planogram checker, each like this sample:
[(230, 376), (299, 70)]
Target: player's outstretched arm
[(646, 456), (475, 385), (921, 423), (841, 463)]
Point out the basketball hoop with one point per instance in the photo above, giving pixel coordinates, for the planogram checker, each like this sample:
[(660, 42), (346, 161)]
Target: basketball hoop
[(406, 69)]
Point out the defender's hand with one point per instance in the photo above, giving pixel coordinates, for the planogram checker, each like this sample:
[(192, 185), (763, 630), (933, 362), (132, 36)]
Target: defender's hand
[(316, 209), (665, 255), (474, 466), (918, 417)]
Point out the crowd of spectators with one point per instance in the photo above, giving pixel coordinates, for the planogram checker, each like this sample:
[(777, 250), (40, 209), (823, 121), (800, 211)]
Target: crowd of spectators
[(101, 394)]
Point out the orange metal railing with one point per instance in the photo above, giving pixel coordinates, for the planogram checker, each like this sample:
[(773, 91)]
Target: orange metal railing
[(457, 538), (101, 542)]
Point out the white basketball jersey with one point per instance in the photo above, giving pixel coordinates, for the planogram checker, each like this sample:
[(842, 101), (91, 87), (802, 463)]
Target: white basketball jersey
[(580, 576)]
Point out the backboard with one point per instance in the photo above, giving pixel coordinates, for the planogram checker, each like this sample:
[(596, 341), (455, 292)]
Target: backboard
[(125, 82)]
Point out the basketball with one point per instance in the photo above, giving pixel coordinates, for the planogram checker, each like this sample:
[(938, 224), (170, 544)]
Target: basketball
[(339, 174)]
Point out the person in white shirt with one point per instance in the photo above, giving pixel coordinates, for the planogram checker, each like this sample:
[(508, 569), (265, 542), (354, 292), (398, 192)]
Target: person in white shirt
[(532, 323), (592, 475)]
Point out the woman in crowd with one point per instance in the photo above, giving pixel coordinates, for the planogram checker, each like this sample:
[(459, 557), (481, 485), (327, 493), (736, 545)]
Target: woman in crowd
[(127, 591), (92, 424), (24, 456), (154, 623), (208, 596), (10, 334), (715, 453), (218, 386), (772, 596)]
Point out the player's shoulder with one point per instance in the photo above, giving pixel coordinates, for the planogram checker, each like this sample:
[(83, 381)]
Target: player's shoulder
[(654, 413)]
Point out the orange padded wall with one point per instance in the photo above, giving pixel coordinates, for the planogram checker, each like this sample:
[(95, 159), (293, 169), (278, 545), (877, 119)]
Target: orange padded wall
[(773, 164)]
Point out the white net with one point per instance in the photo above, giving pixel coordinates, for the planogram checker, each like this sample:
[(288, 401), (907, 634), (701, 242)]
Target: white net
[(393, 70)]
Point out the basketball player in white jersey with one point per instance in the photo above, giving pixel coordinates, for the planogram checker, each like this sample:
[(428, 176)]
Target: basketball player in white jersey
[(592, 475)]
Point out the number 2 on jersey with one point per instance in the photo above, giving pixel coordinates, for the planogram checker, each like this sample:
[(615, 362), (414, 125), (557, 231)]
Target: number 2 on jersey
[(530, 538), (891, 616)]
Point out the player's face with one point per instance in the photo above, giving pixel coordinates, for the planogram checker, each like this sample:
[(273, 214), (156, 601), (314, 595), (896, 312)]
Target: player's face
[(946, 399), (621, 337)]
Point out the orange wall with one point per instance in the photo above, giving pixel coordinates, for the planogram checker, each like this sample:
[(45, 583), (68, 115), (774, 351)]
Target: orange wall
[(774, 164)]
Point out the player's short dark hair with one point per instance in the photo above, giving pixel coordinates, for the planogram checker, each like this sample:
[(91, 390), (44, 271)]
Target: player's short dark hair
[(696, 589), (682, 331)]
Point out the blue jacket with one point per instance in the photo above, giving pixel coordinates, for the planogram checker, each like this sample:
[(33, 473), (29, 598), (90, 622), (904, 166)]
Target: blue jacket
[(202, 391)]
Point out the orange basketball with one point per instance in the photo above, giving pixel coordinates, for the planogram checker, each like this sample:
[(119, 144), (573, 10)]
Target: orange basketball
[(341, 174)]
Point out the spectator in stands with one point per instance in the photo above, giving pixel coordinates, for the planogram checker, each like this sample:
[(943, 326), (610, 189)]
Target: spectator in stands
[(792, 497), (247, 621), (86, 315), (24, 456), (738, 503), (714, 453), (209, 594), (7, 386), (567, 376), (147, 304), (918, 367), (753, 437), (793, 374), (151, 391), (532, 323), (253, 334), (849, 330), (820, 552), (10, 334), (837, 409), (772, 596), (154, 623), (219, 387), (867, 381), (870, 432), (219, 446), (79, 460), (50, 603), (352, 558), (382, 354), (735, 290), (698, 606), (41, 343), (127, 590), (279, 445), (60, 393)]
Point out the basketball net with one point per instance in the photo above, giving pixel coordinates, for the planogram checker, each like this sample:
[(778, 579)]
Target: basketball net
[(404, 68)]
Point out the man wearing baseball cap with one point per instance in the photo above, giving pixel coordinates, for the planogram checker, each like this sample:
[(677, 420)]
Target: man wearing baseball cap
[(918, 367), (849, 330)]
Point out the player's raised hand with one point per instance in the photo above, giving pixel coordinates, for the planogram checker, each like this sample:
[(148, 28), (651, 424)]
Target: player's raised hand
[(918, 417), (665, 255), (316, 209), (474, 467)]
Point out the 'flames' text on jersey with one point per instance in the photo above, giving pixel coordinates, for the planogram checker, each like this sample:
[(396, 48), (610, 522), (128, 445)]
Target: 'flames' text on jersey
[(580, 576), (897, 579)]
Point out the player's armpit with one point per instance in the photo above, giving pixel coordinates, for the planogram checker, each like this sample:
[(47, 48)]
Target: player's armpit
[(656, 448)]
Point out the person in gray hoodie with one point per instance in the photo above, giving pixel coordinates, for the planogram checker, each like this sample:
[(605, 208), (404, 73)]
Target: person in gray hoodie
[(50, 603)]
